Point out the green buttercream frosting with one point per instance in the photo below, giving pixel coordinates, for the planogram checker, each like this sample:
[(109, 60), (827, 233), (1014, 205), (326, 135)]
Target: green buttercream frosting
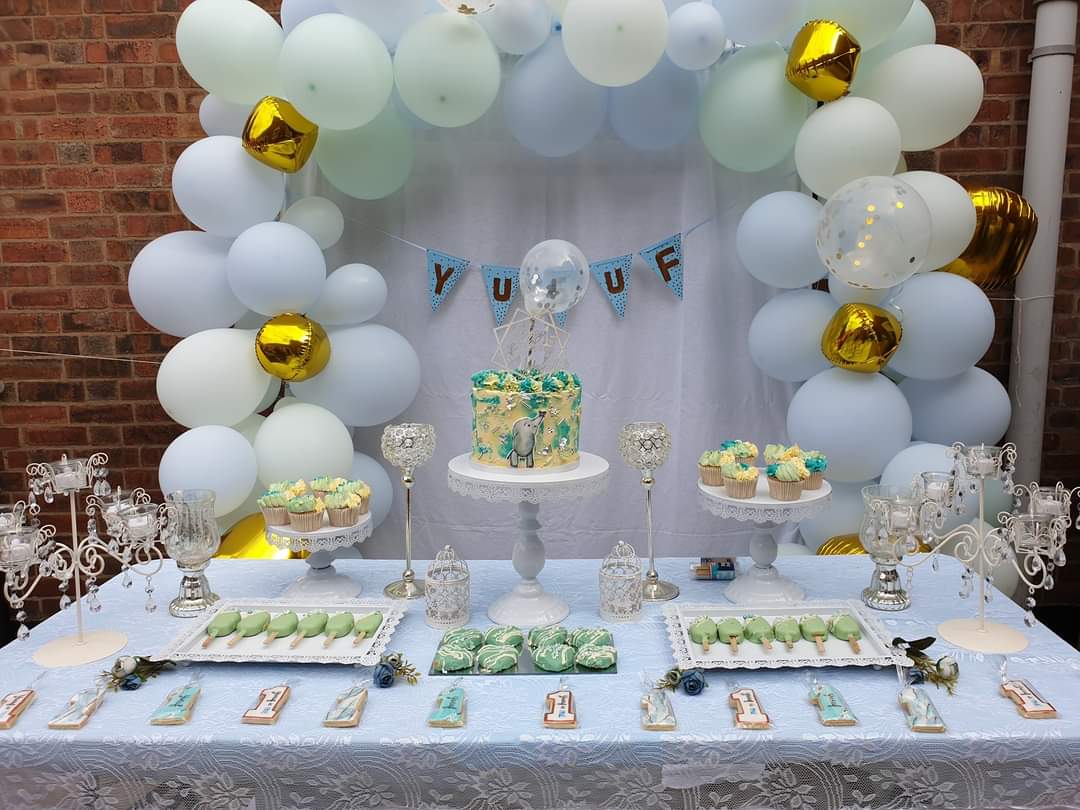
[(816, 464), (716, 458), (525, 381), (791, 470), (273, 499), (303, 503)]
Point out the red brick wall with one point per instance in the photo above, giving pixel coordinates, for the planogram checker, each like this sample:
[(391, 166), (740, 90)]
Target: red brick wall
[(94, 109)]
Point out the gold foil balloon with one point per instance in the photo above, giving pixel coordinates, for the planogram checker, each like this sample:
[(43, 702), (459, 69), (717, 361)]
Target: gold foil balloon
[(247, 541), (842, 544), (1005, 227), (861, 337), (823, 60), (292, 347), (277, 135)]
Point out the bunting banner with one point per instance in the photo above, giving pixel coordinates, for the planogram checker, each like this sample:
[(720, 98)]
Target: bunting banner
[(444, 272), (665, 259), (502, 284), (613, 276)]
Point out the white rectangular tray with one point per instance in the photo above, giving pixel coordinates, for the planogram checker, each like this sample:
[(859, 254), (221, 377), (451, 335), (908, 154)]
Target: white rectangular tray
[(187, 646), (874, 645)]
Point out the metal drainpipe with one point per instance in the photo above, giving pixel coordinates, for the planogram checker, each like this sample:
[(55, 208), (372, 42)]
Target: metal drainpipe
[(1044, 171)]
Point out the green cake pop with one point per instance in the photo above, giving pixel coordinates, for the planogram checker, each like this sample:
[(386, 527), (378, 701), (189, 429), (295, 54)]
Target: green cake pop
[(453, 659), (759, 631), (845, 627), (464, 638), (814, 629), (547, 636), (505, 635), (589, 637), (787, 630), (367, 626), (596, 656), (309, 626), (703, 632), (281, 626), (492, 658), (338, 625), (250, 625), (554, 657), (731, 631), (224, 624)]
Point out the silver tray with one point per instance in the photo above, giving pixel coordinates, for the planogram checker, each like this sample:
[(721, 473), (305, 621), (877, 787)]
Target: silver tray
[(525, 666), (875, 650), (187, 645)]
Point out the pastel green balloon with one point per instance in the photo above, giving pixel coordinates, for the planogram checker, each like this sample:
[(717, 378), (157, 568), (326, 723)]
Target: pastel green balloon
[(231, 47), (368, 163), (336, 71), (750, 113), (447, 70)]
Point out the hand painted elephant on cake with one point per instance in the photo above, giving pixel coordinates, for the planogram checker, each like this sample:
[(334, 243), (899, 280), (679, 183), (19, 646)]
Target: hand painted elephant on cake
[(523, 436)]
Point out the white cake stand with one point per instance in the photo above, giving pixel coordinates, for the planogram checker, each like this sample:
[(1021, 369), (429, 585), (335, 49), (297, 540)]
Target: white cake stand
[(322, 579), (528, 605), (763, 584)]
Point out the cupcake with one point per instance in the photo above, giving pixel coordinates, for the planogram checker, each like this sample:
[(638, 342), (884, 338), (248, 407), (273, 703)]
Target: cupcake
[(325, 484), (740, 480), (290, 488), (343, 508), (744, 452), (306, 513), (273, 508), (786, 479), (775, 453), (361, 490), (816, 463), (709, 466)]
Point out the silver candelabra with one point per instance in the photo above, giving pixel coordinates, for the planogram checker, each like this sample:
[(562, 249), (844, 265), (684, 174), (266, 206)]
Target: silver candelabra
[(407, 446)]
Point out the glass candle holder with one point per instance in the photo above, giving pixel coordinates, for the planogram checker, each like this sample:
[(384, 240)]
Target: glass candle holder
[(890, 527), (446, 591), (621, 593), (69, 474), (645, 446), (18, 547), (192, 538), (140, 521)]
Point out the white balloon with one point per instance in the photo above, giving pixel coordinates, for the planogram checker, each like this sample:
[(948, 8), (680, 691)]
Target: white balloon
[(933, 92), (371, 162), (776, 240), (336, 71), (843, 515), (874, 232), (658, 112), (447, 70), (845, 140), (319, 218), (750, 114), (971, 408), (846, 293), (793, 550), (365, 468), (250, 426), (220, 117), (918, 28), (177, 284), (230, 47), (250, 320), (373, 375), (696, 36), (869, 23), (285, 402), (212, 378), (248, 507), (388, 19), (210, 457), (294, 12), (761, 20), (353, 293), (222, 189), (302, 441), (275, 267), (948, 326), (615, 42), (549, 107), (273, 391), (518, 26), (952, 216), (785, 335), (860, 421), (557, 7)]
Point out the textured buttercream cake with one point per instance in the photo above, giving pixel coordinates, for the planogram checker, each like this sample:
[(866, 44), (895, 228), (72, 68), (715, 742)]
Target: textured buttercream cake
[(526, 419)]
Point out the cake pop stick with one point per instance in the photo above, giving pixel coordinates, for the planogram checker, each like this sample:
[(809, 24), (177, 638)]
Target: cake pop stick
[(250, 625), (310, 625), (224, 624), (758, 631), (367, 626), (731, 631), (787, 631), (281, 626), (814, 629), (338, 625), (846, 628), (703, 632)]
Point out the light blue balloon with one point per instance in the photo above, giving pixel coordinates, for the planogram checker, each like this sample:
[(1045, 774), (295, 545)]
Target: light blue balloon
[(657, 112), (368, 470), (549, 107)]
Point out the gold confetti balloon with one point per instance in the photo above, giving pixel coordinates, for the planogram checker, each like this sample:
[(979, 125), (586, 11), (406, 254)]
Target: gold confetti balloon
[(861, 337), (1005, 227), (280, 137), (841, 545), (823, 60), (292, 347)]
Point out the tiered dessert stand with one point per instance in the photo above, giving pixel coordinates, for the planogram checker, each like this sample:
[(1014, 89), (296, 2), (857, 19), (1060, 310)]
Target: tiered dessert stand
[(528, 605), (322, 579), (762, 583)]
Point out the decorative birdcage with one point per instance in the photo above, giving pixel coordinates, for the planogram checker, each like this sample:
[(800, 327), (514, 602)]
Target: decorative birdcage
[(447, 592), (620, 584)]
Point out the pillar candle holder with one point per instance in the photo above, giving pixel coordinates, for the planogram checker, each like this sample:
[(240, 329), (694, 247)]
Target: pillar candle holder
[(407, 446), (891, 525)]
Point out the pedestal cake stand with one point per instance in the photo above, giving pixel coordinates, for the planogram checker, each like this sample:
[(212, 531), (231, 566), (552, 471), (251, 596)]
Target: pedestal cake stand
[(322, 579), (528, 605), (762, 583)]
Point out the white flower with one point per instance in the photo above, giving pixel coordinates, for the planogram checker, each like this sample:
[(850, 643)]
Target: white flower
[(124, 666)]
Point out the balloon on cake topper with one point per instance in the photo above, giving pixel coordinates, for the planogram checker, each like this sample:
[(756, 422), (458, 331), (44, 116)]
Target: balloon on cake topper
[(554, 277)]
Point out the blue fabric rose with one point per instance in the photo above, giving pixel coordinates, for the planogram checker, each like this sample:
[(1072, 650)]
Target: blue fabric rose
[(383, 675), (131, 683), (693, 681)]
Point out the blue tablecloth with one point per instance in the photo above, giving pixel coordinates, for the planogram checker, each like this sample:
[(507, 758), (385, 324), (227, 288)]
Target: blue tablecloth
[(990, 757)]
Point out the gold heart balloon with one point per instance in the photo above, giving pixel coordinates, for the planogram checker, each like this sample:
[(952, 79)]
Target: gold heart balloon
[(292, 347), (861, 337), (1005, 227), (279, 136), (823, 60)]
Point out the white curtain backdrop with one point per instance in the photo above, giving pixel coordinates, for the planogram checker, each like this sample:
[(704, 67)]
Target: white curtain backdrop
[(476, 193)]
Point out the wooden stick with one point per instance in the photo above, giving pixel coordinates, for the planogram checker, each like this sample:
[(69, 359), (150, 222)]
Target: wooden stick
[(269, 639), (236, 639), (854, 642), (705, 645), (208, 641), (734, 642), (296, 641), (359, 638), (789, 644), (766, 643), (329, 640), (820, 641)]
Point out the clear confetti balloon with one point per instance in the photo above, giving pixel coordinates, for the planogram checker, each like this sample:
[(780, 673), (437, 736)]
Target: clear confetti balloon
[(554, 277)]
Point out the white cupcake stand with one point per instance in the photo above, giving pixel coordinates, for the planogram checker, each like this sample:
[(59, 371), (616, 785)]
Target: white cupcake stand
[(322, 579), (762, 584), (528, 605)]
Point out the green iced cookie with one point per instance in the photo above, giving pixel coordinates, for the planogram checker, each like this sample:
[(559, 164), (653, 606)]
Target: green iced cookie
[(453, 659), (589, 637), (493, 658), (464, 638), (506, 635), (224, 624), (600, 656), (547, 636), (253, 624), (554, 657)]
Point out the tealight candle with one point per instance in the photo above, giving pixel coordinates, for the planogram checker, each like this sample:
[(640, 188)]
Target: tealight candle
[(937, 490), (66, 481)]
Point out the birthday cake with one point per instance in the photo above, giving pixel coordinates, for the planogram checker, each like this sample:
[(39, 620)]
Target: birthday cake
[(526, 419)]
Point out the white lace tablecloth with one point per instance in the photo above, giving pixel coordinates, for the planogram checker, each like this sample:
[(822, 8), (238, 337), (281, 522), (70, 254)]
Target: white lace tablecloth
[(503, 758)]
